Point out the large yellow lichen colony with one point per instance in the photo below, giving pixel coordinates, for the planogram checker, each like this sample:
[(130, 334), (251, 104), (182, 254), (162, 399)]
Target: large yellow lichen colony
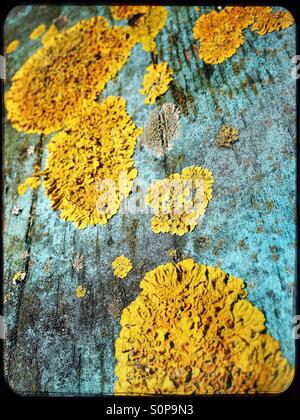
[(221, 33), (179, 200), (156, 81), (54, 81), (121, 266), (191, 330), (97, 144)]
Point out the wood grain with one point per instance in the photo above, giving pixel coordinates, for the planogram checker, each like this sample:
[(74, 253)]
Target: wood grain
[(59, 344)]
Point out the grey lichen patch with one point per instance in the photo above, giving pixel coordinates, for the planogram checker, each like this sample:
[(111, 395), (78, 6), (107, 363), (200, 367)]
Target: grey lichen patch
[(161, 129), (227, 136), (77, 263)]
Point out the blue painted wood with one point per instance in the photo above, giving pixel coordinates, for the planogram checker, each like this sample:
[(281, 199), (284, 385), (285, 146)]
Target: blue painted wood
[(58, 343)]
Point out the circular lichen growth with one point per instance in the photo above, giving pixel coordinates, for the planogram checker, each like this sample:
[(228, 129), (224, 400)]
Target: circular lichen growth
[(179, 200), (192, 331), (121, 266), (227, 136), (97, 145)]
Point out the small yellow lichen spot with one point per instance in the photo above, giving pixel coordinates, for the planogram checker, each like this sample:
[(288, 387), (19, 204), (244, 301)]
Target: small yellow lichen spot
[(172, 253), (37, 32), (121, 266), (227, 136), (18, 277), (80, 291), (32, 182), (12, 46), (156, 81), (191, 330), (22, 188), (49, 36), (89, 168), (222, 33), (180, 200)]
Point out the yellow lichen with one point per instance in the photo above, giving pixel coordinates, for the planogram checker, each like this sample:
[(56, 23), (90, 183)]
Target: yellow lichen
[(148, 22), (192, 331), (45, 93), (80, 291), (172, 253), (267, 21), (148, 25), (126, 12), (97, 144), (156, 81), (12, 46), (53, 82), (179, 200), (22, 188), (31, 182), (221, 33), (49, 36), (227, 136), (37, 32), (18, 277), (121, 266)]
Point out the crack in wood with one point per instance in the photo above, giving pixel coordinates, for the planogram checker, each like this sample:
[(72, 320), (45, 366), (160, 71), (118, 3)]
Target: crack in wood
[(28, 239)]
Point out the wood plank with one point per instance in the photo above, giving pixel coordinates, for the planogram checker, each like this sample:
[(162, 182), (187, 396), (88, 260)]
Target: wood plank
[(58, 343)]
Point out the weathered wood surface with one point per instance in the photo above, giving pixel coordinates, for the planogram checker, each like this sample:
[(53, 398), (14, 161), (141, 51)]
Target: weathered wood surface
[(57, 343)]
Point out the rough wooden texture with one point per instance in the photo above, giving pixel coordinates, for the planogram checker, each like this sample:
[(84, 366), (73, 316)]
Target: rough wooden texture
[(58, 343)]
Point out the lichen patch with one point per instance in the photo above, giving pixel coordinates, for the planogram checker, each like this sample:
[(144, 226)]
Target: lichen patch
[(179, 200), (97, 145), (191, 330), (156, 81)]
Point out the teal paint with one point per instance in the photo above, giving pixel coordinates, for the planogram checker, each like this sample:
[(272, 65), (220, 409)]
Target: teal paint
[(59, 344)]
